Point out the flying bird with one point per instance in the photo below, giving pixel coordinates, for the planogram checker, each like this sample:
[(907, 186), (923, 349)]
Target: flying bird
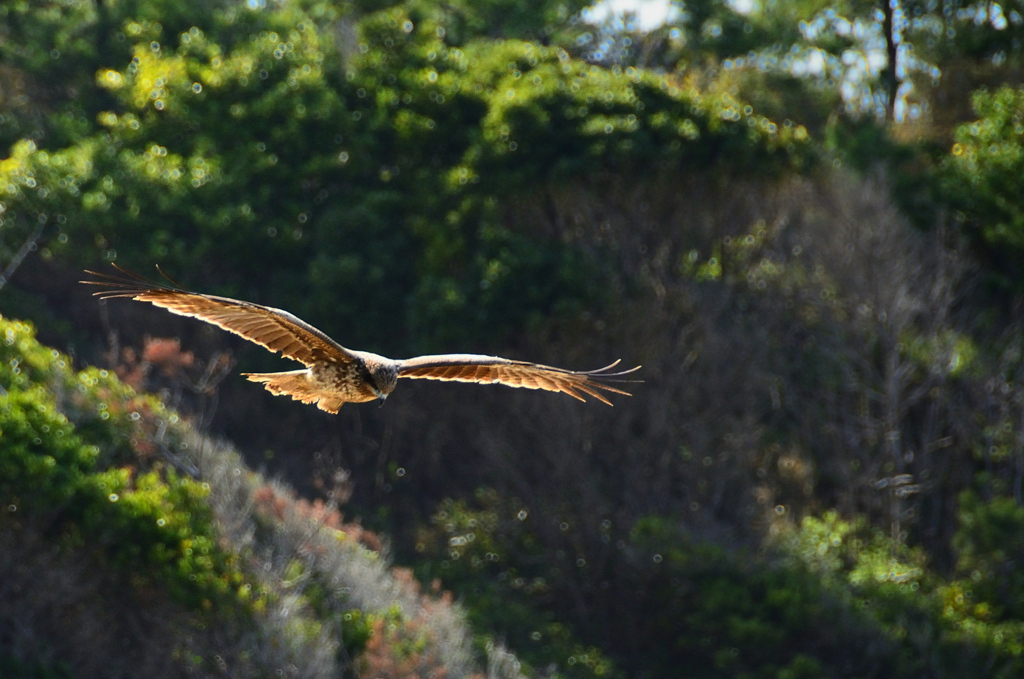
[(335, 375)]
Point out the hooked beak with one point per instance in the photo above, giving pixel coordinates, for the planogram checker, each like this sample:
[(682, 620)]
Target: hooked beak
[(381, 397)]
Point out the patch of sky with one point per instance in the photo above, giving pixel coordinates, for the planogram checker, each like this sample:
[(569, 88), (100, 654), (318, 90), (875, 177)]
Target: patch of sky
[(640, 15)]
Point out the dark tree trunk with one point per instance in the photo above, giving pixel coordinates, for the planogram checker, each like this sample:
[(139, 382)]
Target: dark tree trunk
[(889, 80)]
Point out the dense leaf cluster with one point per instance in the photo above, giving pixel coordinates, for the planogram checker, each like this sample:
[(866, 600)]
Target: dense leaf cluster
[(79, 477), (826, 598), (89, 466), (373, 172), (984, 175)]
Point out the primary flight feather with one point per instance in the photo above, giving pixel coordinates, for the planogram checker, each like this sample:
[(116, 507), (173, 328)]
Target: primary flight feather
[(335, 375)]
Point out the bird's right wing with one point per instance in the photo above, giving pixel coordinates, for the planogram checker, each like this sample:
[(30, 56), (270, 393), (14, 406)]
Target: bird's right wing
[(493, 369), (274, 329)]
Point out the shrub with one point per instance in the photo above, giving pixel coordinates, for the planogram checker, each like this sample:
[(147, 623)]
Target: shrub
[(489, 556), (982, 177)]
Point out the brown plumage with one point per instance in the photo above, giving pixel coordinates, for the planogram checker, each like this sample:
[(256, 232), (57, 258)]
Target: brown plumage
[(335, 375)]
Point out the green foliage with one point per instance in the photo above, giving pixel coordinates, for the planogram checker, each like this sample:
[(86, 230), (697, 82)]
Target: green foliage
[(952, 621), (491, 559), (983, 175), (154, 526), (356, 630), (716, 30), (965, 32), (830, 598), (738, 615), (12, 668), (82, 465), (356, 627), (984, 610), (989, 545), (373, 174), (464, 20)]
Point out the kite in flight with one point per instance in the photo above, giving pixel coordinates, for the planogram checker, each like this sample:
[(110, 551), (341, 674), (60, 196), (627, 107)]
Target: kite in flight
[(335, 375)]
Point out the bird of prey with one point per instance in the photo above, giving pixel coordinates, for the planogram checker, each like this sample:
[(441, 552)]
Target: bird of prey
[(335, 375)]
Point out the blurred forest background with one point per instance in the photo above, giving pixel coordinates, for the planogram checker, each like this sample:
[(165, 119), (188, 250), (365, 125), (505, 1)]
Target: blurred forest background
[(804, 218)]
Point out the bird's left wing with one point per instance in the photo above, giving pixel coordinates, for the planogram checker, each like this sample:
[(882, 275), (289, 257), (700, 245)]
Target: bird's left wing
[(492, 369), (274, 329)]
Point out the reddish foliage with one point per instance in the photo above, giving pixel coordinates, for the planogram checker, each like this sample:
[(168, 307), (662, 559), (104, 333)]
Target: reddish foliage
[(270, 502), (394, 651), (175, 367), (320, 512), (404, 649), (405, 578), (144, 447), (130, 370), (166, 353)]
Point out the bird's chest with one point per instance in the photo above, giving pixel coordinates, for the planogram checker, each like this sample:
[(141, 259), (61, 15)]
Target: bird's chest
[(350, 381)]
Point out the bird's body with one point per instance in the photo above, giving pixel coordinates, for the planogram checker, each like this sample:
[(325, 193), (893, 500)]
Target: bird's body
[(328, 385), (335, 375)]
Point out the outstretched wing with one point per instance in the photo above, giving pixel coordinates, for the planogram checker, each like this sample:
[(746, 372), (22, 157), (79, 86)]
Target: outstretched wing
[(274, 329), (492, 369)]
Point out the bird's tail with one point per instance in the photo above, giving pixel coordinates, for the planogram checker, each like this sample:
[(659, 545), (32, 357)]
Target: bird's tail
[(296, 383)]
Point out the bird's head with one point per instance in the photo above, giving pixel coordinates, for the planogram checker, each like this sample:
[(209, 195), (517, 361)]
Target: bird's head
[(384, 377)]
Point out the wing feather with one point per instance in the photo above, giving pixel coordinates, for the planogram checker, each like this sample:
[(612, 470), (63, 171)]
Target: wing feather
[(273, 329), (495, 370)]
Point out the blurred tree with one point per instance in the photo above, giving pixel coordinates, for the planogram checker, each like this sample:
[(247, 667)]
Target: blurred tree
[(545, 21), (990, 544), (955, 47), (370, 176), (983, 178), (901, 59)]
